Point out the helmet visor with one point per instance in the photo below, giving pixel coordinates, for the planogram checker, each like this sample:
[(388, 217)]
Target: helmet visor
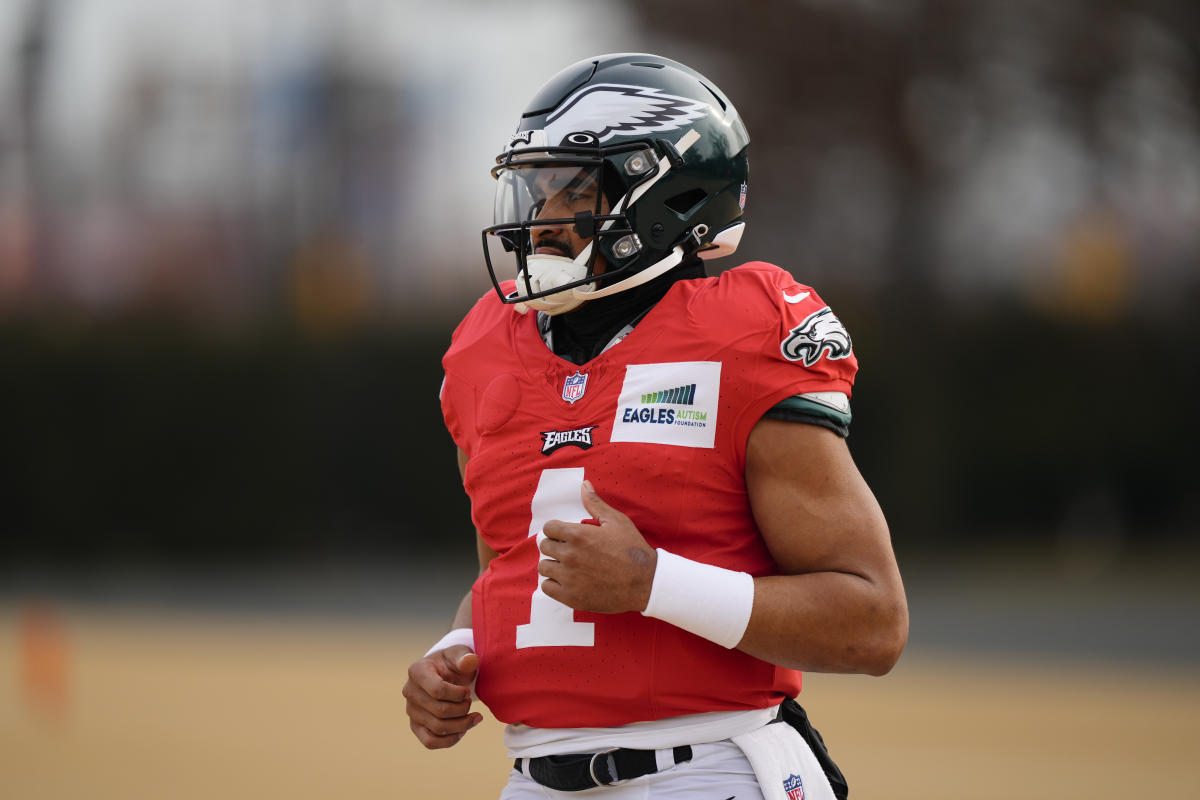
[(541, 194)]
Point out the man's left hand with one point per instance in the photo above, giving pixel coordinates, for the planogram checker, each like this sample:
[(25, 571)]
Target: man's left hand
[(607, 568)]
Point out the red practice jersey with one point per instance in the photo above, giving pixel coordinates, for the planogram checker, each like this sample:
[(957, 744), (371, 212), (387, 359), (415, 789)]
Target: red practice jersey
[(658, 423)]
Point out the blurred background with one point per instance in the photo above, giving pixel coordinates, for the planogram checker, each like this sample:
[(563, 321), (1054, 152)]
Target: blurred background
[(235, 237)]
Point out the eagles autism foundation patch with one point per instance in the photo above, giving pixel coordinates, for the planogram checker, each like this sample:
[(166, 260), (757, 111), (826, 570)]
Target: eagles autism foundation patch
[(673, 403)]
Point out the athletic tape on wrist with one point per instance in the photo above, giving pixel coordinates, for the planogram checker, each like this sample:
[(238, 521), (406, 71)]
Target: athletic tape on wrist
[(457, 636), (708, 601)]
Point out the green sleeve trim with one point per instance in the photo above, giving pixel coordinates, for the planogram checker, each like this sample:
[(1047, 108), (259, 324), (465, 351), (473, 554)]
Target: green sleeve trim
[(799, 408)]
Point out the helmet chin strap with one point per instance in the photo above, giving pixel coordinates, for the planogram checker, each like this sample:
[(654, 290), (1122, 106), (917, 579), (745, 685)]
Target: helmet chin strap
[(569, 300), (673, 259)]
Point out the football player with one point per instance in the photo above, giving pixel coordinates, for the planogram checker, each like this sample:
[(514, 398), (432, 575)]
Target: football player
[(670, 526)]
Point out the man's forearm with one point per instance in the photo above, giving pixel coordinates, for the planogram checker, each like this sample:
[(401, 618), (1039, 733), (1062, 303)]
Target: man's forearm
[(827, 622)]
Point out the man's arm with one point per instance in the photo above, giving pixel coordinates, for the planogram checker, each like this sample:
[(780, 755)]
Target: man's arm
[(438, 690), (838, 605)]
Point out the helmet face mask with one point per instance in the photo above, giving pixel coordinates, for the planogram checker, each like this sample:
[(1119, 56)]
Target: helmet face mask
[(608, 177)]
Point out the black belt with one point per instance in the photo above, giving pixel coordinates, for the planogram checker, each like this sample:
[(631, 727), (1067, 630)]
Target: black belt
[(574, 773)]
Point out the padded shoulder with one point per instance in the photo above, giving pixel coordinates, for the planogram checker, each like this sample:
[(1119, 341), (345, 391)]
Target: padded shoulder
[(756, 283), (484, 317), (781, 319)]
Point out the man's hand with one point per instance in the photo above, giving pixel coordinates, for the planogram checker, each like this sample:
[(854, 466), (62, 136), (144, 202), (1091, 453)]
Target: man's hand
[(438, 692), (607, 568)]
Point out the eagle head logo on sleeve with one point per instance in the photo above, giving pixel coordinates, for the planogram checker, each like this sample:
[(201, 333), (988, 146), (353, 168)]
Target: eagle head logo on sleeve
[(819, 334)]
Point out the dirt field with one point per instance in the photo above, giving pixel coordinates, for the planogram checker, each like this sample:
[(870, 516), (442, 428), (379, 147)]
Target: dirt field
[(121, 705)]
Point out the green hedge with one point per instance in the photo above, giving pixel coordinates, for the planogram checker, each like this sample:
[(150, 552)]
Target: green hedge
[(150, 439)]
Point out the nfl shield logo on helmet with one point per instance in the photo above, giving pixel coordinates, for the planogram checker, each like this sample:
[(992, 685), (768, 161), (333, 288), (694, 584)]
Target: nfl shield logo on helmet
[(574, 387), (794, 787)]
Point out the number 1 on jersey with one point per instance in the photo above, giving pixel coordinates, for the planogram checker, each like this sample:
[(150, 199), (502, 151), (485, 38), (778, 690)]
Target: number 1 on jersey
[(551, 623)]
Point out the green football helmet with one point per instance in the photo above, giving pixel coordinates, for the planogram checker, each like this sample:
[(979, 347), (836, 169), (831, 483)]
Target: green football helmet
[(621, 167)]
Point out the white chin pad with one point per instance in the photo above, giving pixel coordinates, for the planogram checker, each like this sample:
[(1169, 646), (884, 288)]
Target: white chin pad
[(550, 272), (555, 303)]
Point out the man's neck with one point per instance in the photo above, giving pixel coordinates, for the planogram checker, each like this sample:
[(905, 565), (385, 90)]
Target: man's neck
[(582, 334)]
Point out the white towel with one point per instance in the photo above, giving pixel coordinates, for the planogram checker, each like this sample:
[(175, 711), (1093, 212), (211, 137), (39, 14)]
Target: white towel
[(785, 766)]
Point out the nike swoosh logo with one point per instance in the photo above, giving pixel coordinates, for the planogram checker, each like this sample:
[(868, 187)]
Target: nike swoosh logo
[(795, 298)]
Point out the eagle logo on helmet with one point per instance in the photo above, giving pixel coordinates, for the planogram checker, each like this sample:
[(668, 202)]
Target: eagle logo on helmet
[(611, 109), (821, 332)]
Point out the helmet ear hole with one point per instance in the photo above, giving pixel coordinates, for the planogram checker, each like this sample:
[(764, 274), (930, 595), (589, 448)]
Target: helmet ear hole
[(685, 203)]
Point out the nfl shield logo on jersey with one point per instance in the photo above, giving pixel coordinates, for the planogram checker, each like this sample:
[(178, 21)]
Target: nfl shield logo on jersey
[(574, 387), (794, 787)]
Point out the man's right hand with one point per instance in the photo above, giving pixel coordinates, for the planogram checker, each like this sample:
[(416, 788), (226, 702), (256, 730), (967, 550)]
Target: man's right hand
[(438, 692)]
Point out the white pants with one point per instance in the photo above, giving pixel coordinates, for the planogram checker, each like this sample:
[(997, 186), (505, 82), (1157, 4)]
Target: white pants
[(716, 771)]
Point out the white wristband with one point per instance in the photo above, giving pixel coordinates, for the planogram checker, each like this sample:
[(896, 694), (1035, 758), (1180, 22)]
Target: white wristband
[(708, 601), (457, 636)]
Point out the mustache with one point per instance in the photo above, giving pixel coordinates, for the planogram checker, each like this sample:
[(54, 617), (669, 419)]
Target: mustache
[(557, 244)]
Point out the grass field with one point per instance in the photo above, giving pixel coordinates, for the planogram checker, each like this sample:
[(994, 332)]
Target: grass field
[(130, 705)]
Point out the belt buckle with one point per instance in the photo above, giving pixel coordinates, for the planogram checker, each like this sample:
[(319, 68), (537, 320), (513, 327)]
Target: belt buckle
[(592, 771)]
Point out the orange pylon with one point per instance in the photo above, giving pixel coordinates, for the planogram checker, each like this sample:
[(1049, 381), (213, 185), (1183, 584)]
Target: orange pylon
[(44, 660)]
